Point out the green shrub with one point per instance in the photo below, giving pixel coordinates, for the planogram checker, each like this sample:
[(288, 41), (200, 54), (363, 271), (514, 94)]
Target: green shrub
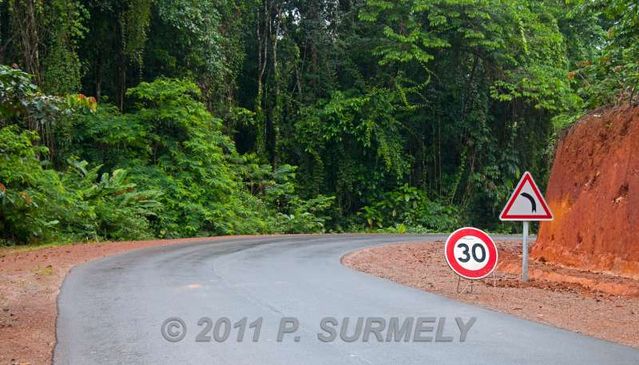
[(112, 206), (32, 197), (409, 209), (40, 204)]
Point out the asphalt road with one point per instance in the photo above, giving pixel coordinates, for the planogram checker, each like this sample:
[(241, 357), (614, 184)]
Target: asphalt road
[(112, 311)]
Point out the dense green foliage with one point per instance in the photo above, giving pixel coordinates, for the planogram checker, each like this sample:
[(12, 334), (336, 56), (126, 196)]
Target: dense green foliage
[(226, 117)]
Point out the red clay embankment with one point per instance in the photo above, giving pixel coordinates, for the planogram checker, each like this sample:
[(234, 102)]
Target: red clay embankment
[(593, 192)]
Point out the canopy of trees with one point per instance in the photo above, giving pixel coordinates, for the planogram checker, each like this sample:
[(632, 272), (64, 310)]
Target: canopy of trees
[(254, 116)]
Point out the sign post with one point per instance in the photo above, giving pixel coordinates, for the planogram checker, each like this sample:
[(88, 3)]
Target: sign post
[(524, 254), (526, 204)]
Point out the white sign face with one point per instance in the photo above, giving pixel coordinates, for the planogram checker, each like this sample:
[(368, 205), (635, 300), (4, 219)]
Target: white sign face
[(526, 203), (471, 253)]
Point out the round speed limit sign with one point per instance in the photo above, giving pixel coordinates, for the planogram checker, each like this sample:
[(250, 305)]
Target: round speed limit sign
[(471, 253)]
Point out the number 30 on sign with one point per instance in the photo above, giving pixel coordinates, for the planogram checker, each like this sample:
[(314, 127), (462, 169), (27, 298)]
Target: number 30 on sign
[(471, 253)]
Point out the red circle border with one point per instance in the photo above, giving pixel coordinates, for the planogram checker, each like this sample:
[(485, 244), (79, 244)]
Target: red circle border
[(449, 249)]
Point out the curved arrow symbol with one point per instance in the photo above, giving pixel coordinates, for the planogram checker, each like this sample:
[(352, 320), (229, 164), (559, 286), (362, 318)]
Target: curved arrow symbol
[(532, 201)]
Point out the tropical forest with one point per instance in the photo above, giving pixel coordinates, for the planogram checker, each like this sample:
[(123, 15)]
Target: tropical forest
[(136, 119)]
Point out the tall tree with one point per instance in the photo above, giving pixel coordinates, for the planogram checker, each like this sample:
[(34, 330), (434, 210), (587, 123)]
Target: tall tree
[(115, 45)]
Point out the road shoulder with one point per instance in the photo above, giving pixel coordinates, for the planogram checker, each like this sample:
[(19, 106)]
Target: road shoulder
[(595, 304)]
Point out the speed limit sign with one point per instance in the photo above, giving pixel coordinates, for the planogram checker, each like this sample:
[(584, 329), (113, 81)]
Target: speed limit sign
[(471, 253)]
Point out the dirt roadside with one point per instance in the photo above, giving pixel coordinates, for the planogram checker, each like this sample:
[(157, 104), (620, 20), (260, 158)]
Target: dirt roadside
[(595, 304), (29, 286)]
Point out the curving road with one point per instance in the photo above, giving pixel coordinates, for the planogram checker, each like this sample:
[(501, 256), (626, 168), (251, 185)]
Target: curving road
[(112, 311)]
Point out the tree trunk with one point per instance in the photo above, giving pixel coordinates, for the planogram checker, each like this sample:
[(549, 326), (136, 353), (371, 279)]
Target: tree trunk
[(26, 26)]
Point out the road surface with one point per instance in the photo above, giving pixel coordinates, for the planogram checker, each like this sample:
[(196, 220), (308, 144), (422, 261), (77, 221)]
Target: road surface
[(113, 311)]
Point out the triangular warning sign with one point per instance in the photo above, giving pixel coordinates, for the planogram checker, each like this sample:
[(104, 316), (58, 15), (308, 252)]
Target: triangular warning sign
[(526, 203)]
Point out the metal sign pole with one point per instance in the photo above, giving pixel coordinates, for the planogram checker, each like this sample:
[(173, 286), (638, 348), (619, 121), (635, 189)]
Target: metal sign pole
[(524, 255)]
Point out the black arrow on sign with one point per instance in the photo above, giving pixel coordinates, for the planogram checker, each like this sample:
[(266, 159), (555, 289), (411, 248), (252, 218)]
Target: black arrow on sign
[(532, 201)]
